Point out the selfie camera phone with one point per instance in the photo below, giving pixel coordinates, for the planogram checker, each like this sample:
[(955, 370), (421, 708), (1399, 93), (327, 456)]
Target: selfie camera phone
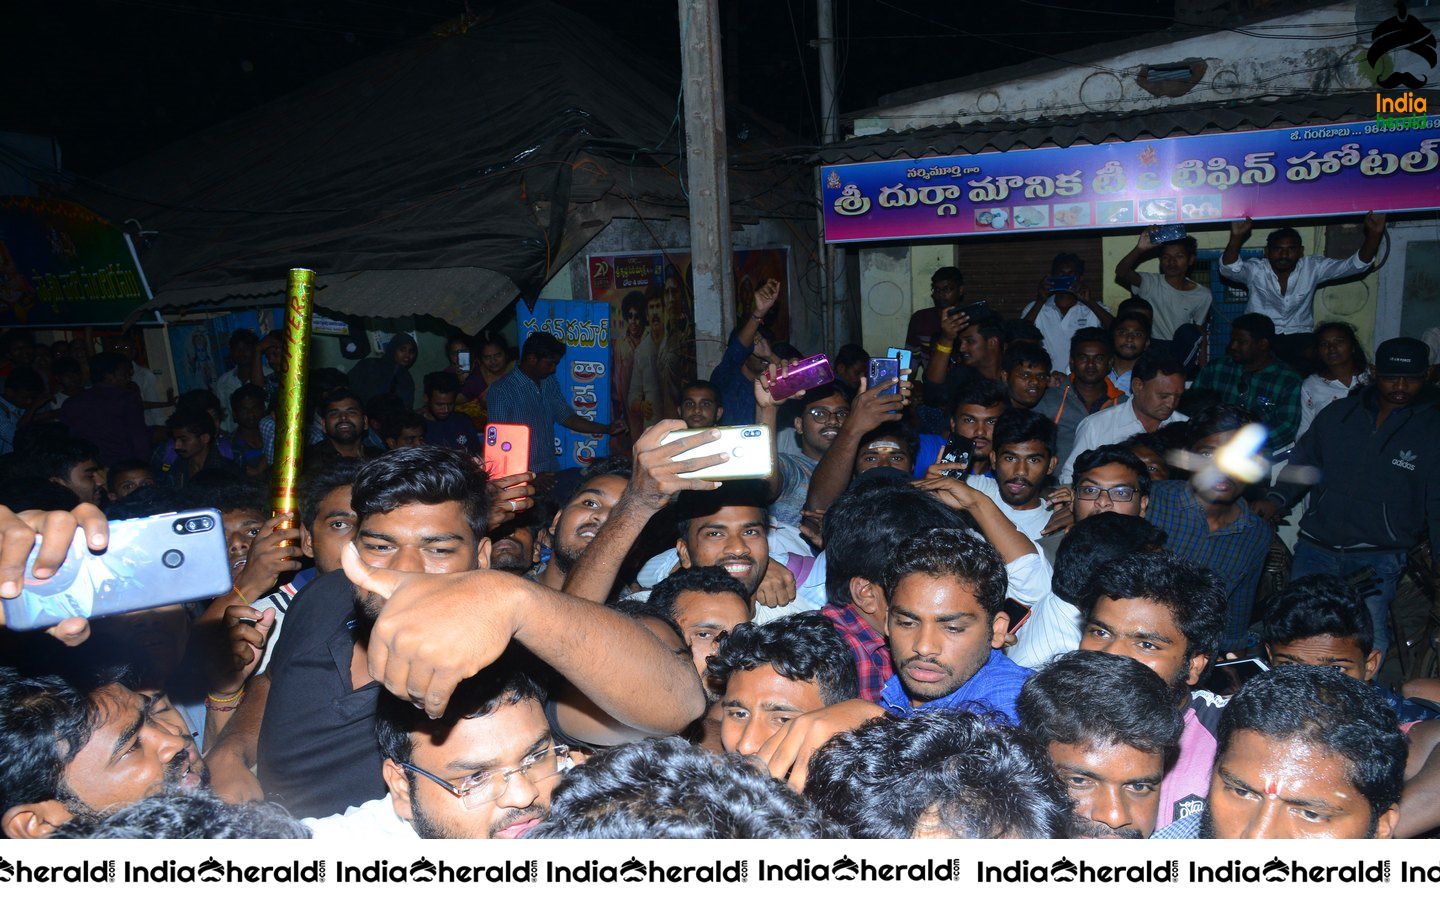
[(885, 370), (1162, 234), (752, 452), (463, 359), (957, 453), (808, 373), (1018, 613), (174, 557), (507, 449), (903, 355), (1060, 284)]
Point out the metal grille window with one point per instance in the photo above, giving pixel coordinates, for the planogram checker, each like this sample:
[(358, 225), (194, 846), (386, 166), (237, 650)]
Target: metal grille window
[(1228, 298)]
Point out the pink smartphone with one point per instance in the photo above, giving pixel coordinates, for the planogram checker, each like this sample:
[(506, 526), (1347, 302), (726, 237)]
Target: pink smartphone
[(803, 375), (507, 449)]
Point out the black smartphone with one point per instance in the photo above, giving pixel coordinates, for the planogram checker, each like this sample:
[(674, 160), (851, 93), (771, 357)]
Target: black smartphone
[(1017, 611), (971, 309), (957, 453), (1228, 676), (1163, 234)]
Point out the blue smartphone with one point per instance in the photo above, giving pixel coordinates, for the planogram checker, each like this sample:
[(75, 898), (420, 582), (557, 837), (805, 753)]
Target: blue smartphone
[(886, 369), (903, 355), (155, 561)]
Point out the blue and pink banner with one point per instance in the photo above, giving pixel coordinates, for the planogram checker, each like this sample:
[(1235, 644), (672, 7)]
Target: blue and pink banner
[(1323, 170), (584, 328)]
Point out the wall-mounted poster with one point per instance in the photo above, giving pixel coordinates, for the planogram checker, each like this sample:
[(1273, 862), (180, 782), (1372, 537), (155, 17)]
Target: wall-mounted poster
[(653, 322)]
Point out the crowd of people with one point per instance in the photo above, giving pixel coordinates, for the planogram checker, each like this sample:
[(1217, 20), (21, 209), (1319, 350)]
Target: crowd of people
[(1032, 589)]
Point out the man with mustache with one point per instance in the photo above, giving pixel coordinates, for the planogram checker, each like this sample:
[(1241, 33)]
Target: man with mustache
[(74, 751), (576, 523), (483, 770), (945, 628), (1109, 725), (1166, 614), (1023, 459), (1282, 284), (343, 418), (1250, 377), (1211, 524)]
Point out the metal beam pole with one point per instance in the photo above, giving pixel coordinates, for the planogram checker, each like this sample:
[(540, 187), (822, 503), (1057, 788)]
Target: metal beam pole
[(705, 158)]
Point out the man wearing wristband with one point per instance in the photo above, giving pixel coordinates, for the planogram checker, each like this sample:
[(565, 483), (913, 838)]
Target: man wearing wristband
[(746, 356)]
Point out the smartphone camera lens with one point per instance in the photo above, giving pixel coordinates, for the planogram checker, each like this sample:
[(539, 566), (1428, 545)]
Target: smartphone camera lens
[(172, 559)]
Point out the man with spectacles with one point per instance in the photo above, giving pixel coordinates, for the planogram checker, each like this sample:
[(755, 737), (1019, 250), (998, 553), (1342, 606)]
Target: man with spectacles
[(820, 415), (1210, 523), (1107, 479), (483, 770)]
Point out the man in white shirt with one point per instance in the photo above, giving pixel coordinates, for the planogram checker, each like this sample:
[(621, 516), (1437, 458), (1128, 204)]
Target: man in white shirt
[(483, 770), (1063, 306), (1156, 385), (1282, 284), (244, 345)]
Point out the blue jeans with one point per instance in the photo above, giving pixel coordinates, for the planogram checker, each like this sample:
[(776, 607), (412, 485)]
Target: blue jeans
[(1312, 559)]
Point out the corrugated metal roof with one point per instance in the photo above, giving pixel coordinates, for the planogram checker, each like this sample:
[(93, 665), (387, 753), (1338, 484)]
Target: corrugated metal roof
[(1098, 128)]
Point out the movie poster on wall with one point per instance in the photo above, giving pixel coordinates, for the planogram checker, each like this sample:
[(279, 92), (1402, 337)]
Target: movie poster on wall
[(653, 322)]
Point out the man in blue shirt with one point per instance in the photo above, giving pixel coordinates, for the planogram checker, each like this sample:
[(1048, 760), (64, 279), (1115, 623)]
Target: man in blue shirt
[(747, 354), (531, 396), (946, 588)]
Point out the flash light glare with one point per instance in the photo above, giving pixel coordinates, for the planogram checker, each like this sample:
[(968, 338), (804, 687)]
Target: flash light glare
[(1239, 458)]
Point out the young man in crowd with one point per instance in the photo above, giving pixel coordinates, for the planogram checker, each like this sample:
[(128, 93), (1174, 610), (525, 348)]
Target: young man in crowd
[(78, 751), (706, 603), (126, 477), (1211, 524), (1250, 377), (939, 775), (73, 464), (483, 770), (514, 545), (244, 346), (1303, 752), (403, 429), (1110, 726), (893, 445), (947, 290), (444, 427), (1381, 490), (425, 511), (1063, 306), (531, 396), (1320, 620), (1166, 614), (576, 523), (862, 531), (1026, 369), (1157, 383), (1054, 624), (343, 419), (700, 405), (945, 589), (1179, 306), (1090, 358), (1130, 338), (109, 413), (820, 415), (747, 354), (977, 409), (1282, 285), (1023, 458), (247, 442), (852, 362), (192, 434), (1107, 479), (871, 408), (766, 675), (970, 348)]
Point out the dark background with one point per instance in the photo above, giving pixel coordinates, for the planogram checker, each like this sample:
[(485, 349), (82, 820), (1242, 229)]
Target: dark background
[(114, 79)]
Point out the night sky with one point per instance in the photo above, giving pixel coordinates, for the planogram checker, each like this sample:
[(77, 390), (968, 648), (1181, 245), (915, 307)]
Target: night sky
[(114, 79)]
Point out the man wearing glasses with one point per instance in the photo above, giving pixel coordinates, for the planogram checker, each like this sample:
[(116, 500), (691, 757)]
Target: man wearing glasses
[(821, 414), (483, 770)]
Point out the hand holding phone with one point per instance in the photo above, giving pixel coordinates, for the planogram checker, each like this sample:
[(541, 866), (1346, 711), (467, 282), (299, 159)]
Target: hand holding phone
[(808, 373), (507, 449), (749, 452), (149, 562), (883, 370)]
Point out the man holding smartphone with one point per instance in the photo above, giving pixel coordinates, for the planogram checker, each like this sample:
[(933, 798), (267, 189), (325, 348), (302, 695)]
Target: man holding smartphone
[(1063, 306)]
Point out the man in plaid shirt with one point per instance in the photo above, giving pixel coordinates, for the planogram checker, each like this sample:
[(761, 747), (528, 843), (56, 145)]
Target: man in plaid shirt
[(863, 528), (1252, 378), (1212, 526)]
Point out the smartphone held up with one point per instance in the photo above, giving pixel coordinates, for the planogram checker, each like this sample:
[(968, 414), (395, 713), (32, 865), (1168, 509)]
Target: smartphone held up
[(750, 448), (808, 373), (159, 560)]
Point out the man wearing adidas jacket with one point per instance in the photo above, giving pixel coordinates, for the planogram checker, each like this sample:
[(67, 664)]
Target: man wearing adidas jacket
[(1377, 453)]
